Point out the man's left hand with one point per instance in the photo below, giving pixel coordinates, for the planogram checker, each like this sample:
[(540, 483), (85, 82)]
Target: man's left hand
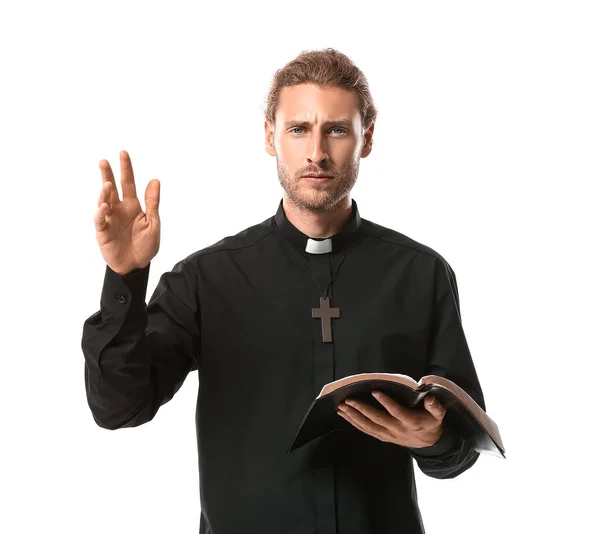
[(397, 424)]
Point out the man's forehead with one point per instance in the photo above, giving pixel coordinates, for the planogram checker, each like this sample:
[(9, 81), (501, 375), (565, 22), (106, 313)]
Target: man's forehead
[(307, 102)]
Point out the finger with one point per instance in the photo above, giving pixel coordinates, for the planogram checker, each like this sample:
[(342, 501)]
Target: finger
[(435, 407), (108, 176), (354, 423), (152, 198), (105, 195), (127, 181), (366, 423), (100, 217), (393, 408), (380, 417)]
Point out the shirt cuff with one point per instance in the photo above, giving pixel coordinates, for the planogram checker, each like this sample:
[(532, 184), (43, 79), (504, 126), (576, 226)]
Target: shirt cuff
[(121, 293)]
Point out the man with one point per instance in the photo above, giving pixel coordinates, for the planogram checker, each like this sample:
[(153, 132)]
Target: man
[(270, 315)]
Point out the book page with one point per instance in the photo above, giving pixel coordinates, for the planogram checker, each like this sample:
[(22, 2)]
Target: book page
[(332, 386)]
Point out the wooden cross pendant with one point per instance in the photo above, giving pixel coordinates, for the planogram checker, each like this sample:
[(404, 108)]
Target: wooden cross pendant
[(326, 313)]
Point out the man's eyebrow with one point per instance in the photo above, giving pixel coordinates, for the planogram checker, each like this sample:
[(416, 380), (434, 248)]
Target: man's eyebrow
[(304, 124)]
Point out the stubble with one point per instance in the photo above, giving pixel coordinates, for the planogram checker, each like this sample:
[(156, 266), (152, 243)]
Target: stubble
[(316, 197)]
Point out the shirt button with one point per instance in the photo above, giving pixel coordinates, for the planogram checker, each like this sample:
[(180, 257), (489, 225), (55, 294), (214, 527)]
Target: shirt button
[(122, 299)]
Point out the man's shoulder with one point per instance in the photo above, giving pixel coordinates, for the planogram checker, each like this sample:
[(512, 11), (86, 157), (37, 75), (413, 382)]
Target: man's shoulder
[(244, 239), (398, 239)]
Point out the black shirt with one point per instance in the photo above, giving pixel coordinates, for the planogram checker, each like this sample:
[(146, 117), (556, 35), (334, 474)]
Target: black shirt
[(239, 313)]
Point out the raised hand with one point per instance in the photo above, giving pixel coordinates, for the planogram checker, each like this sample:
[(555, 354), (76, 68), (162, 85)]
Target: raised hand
[(128, 237)]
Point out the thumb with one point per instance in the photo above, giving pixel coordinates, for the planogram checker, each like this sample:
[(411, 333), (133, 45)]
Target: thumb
[(435, 407), (152, 198)]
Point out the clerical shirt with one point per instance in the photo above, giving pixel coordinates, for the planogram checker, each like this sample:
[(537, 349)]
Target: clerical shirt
[(240, 314)]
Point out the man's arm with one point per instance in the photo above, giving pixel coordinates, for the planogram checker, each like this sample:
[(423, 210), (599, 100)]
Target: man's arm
[(449, 356), (138, 356)]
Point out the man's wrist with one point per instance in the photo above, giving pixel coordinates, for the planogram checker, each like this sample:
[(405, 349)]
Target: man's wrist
[(443, 445)]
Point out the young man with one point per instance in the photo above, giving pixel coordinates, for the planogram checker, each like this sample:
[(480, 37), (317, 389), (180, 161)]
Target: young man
[(270, 315)]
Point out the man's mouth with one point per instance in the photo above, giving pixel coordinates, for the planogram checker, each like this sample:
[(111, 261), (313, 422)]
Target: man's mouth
[(317, 178)]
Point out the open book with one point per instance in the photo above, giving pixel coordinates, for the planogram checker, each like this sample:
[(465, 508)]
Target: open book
[(463, 414)]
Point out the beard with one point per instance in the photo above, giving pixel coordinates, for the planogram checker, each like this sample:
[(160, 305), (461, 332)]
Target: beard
[(318, 197)]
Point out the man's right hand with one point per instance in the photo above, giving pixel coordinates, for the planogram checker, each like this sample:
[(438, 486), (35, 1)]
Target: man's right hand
[(128, 237)]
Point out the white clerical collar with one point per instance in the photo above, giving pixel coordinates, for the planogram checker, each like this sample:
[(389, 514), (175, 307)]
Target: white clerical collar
[(322, 246)]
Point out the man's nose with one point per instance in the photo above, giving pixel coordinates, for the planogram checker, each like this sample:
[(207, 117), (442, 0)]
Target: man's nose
[(317, 152)]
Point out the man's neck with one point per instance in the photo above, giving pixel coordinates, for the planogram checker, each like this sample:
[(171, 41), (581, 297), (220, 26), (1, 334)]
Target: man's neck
[(318, 225)]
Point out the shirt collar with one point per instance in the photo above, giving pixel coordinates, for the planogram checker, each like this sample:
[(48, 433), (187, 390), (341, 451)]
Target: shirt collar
[(348, 233)]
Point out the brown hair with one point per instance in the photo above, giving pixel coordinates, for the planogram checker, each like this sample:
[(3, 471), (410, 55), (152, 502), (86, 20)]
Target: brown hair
[(327, 68)]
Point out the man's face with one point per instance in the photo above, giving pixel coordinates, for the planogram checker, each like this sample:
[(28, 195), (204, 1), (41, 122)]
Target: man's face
[(317, 130)]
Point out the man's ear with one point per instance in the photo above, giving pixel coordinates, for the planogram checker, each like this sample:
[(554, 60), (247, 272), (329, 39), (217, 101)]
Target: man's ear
[(367, 141), (269, 138)]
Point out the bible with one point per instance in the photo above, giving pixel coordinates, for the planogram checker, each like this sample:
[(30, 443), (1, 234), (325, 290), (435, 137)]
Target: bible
[(463, 414)]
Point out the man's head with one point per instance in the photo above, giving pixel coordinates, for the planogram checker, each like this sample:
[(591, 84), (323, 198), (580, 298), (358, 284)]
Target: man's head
[(319, 119)]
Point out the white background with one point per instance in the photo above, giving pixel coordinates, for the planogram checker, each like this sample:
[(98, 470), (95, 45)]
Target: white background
[(485, 149)]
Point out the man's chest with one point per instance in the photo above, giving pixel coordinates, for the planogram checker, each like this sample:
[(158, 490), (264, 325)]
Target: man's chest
[(379, 318)]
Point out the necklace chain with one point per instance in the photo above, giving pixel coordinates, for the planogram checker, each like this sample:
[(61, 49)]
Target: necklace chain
[(334, 274)]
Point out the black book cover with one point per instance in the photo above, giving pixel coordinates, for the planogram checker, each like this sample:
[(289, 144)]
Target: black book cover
[(322, 418)]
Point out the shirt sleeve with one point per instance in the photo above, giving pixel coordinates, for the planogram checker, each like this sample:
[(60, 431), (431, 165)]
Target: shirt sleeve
[(449, 356), (138, 356)]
